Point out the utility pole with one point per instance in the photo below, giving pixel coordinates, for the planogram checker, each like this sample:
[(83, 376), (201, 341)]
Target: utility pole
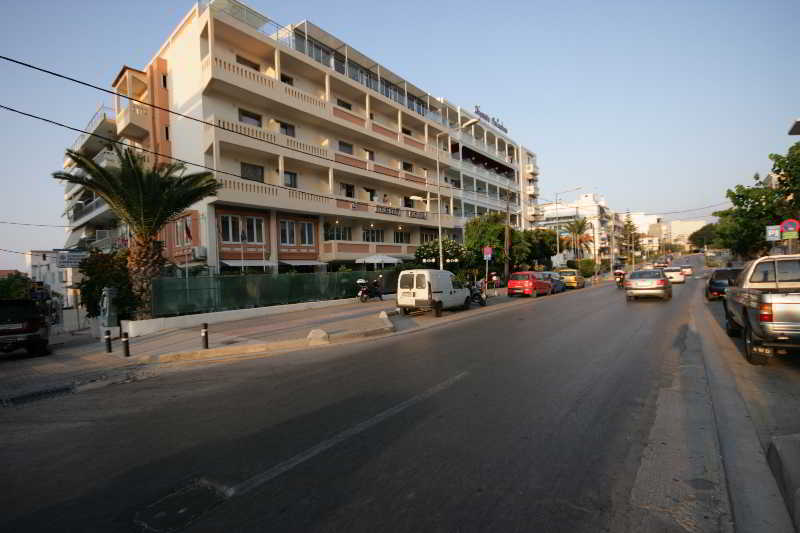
[(508, 236)]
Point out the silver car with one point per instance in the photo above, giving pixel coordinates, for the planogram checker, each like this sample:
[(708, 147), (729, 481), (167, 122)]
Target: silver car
[(648, 283)]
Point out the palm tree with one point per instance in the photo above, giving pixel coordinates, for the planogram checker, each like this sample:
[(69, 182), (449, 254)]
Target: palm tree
[(578, 237), (146, 199)]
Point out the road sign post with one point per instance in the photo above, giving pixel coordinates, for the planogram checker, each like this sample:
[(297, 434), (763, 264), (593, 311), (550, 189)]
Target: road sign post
[(789, 232), (487, 255)]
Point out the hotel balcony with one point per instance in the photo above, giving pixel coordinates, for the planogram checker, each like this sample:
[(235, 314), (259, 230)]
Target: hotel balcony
[(100, 130), (133, 121)]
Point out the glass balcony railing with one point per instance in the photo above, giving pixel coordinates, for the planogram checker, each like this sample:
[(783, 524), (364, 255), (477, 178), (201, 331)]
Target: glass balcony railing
[(81, 210)]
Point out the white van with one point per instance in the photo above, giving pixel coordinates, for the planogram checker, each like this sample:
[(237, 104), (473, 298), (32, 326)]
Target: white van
[(430, 289)]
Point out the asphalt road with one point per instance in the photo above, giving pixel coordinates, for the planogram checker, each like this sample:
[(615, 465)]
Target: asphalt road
[(530, 419)]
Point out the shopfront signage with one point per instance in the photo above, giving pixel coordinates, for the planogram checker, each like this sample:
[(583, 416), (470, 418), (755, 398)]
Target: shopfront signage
[(494, 121)]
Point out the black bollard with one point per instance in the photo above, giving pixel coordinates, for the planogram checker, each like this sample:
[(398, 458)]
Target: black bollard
[(204, 334), (108, 341), (126, 350)]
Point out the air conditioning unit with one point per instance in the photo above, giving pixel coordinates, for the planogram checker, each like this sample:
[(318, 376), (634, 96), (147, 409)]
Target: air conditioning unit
[(199, 252)]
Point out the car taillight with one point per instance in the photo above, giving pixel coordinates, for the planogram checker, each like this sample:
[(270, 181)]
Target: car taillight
[(765, 313), (661, 282), (528, 283)]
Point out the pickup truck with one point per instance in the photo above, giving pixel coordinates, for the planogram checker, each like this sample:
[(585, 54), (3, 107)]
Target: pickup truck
[(764, 303)]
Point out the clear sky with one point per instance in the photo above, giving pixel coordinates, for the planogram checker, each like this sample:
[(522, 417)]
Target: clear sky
[(658, 105)]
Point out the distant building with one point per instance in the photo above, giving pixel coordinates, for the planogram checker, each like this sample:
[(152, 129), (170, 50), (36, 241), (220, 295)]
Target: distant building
[(8, 273), (682, 229), (43, 266)]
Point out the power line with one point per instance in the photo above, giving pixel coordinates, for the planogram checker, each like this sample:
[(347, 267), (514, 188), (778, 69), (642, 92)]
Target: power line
[(201, 121), (115, 141), (34, 225), (694, 209)]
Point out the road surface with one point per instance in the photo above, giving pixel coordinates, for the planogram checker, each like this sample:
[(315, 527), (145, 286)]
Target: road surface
[(577, 412)]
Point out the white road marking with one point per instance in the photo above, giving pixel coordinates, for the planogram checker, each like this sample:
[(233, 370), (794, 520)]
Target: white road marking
[(281, 468)]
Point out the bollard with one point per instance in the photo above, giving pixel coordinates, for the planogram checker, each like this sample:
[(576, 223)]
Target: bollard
[(204, 334), (126, 350), (108, 341)]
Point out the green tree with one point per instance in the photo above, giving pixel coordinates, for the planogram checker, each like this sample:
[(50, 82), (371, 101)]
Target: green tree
[(486, 230), (579, 238), (787, 168), (146, 199), (542, 244), (15, 286), (428, 254), (741, 227), (704, 235), (631, 238), (101, 270)]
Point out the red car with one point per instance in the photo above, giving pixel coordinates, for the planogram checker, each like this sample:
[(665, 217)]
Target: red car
[(529, 284)]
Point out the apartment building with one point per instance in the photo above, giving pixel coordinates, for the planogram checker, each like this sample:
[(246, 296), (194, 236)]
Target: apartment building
[(43, 267), (605, 225), (324, 155)]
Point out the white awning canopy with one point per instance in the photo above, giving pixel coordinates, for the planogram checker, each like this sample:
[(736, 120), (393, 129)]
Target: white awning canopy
[(302, 262), (379, 259)]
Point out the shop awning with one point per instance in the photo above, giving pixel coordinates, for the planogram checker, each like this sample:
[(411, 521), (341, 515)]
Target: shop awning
[(302, 262), (248, 263)]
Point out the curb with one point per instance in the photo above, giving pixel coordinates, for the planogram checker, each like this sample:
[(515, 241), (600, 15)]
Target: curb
[(783, 456)]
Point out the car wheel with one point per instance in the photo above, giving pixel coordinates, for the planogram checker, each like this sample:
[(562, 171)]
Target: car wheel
[(437, 309), (38, 348), (752, 358), (406, 310)]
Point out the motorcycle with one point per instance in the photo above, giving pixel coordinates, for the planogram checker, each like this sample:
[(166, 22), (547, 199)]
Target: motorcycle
[(477, 296), (620, 279), (367, 291)]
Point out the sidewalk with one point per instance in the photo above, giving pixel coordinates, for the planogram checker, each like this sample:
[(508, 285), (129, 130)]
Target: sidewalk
[(78, 359)]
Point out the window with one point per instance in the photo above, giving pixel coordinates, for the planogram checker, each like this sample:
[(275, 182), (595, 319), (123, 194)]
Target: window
[(402, 237), (252, 172), (181, 239), (164, 81), (247, 63), (370, 154), (408, 167), (373, 194), (427, 237), (347, 190), (788, 270), (306, 233), (408, 202), (372, 116), (290, 179), (407, 281), (421, 282), (764, 273), (229, 228), (288, 80), (246, 117), (337, 232), (406, 131), (346, 105), (287, 232), (166, 133), (373, 235), (286, 129), (254, 229), (345, 147)]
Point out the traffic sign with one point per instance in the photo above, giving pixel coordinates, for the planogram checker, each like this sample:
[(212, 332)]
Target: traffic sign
[(487, 253), (774, 233), (790, 224)]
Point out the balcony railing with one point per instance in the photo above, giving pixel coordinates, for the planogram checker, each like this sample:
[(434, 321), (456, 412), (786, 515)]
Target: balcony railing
[(79, 211), (102, 113)]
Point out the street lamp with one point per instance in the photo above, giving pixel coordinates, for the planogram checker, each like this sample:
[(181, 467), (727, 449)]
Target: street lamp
[(465, 125), (558, 230)]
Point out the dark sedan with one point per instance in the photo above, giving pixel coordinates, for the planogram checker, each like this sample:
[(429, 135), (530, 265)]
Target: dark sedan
[(719, 280)]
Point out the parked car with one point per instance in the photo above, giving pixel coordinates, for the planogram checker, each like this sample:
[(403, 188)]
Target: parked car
[(427, 289), (572, 278), (674, 275), (23, 324), (719, 280), (648, 283), (687, 270), (556, 281), (764, 303), (528, 284)]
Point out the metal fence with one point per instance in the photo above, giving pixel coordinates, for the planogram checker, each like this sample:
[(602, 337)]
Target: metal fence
[(204, 294)]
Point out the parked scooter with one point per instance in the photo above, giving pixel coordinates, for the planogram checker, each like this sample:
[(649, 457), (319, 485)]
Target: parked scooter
[(477, 296), (369, 290)]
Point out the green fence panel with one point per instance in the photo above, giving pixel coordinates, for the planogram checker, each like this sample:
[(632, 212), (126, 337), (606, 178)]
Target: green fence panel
[(203, 294)]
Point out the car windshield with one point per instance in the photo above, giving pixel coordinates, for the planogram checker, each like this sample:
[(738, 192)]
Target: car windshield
[(647, 274), (672, 269), (568, 272), (519, 277)]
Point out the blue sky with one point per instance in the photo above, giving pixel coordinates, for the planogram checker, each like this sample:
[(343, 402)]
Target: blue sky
[(658, 105)]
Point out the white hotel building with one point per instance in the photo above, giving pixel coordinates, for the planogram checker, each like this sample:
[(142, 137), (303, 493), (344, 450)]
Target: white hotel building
[(324, 155)]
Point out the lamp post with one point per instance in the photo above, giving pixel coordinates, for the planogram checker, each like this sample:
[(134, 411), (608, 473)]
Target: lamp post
[(558, 229), (467, 124)]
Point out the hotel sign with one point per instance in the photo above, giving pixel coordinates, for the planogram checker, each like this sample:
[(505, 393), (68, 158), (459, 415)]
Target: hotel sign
[(494, 121)]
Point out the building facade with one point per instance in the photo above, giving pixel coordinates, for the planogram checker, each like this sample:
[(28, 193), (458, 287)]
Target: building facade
[(324, 156), (43, 266)]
